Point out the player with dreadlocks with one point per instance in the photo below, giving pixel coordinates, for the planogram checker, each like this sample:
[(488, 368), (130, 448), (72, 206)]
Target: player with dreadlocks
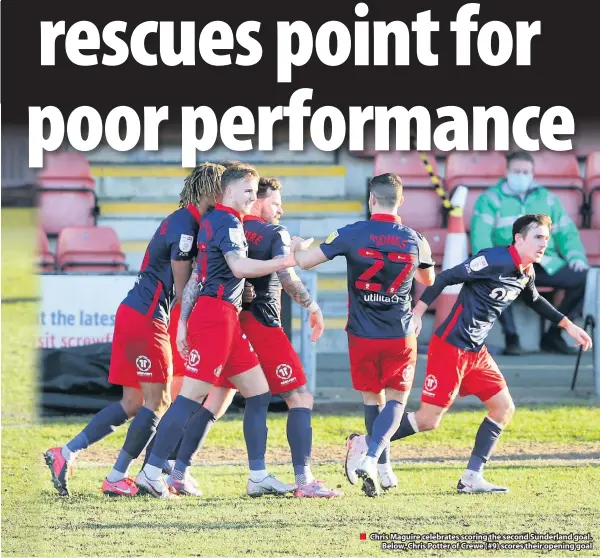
[(141, 359)]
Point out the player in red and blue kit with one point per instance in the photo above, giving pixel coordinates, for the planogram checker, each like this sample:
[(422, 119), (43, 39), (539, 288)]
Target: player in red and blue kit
[(141, 358), (458, 361), (214, 345), (260, 320), (383, 257)]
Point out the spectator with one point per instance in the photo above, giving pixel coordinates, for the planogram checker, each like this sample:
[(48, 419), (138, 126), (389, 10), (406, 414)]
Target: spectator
[(564, 265)]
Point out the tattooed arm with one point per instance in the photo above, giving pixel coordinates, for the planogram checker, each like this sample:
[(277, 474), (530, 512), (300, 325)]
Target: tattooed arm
[(293, 286), (188, 301), (189, 297)]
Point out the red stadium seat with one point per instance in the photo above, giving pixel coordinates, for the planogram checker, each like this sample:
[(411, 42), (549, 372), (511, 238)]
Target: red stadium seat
[(591, 243), (67, 170), (90, 249), (422, 207), (407, 164), (559, 172), (46, 261), (592, 186), (67, 192), (477, 171)]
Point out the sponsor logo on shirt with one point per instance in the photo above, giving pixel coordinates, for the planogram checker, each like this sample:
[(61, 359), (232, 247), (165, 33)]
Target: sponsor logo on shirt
[(374, 297)]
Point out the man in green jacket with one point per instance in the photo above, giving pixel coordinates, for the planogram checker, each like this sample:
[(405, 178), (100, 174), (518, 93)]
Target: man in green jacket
[(564, 265)]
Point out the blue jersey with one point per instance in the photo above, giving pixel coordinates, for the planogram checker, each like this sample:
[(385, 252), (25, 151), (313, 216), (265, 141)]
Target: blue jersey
[(491, 280), (382, 257), (221, 232), (265, 242), (154, 290)]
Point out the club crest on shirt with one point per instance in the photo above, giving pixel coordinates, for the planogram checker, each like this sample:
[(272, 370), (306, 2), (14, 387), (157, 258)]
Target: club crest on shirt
[(186, 241), (332, 237)]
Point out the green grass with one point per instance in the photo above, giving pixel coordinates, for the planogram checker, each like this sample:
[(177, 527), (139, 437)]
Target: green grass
[(548, 457)]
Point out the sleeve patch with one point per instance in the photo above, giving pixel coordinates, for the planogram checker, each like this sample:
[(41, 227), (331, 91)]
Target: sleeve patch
[(478, 263), (332, 237), (186, 241)]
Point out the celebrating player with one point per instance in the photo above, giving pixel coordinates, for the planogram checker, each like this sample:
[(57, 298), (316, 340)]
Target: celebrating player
[(218, 350), (141, 359), (261, 323), (383, 256), (459, 363)]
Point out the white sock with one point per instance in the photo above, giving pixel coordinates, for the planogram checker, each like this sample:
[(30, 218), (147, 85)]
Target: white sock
[(370, 461), (68, 454), (152, 472), (384, 467), (116, 476), (306, 478), (471, 475), (257, 476)]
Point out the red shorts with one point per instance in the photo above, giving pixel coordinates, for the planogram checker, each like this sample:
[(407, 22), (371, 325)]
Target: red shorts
[(376, 364), (178, 362), (452, 371), (141, 350), (218, 347), (280, 363)]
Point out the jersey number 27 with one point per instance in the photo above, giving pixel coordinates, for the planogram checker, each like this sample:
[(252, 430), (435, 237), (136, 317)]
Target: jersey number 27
[(365, 284)]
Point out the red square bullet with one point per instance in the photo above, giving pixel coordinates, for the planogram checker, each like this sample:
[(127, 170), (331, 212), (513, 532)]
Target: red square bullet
[(363, 536)]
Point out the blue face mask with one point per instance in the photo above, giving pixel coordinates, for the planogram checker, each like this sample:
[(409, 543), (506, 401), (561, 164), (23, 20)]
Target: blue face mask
[(518, 182)]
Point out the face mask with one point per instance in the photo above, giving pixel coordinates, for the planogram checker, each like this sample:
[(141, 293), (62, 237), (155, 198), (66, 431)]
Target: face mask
[(519, 182)]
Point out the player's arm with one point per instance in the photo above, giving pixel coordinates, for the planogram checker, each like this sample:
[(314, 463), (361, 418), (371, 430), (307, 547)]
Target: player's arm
[(294, 287), (425, 273), (541, 306), (183, 250), (335, 245), (243, 267), (307, 259), (182, 271), (472, 269), (188, 301)]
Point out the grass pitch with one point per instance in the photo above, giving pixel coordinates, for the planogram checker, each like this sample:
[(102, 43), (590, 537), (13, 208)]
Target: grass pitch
[(548, 457)]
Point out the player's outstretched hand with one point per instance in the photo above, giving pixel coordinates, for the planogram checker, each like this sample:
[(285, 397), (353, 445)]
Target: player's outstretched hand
[(580, 336), (317, 324), (417, 324), (299, 243), (182, 344)]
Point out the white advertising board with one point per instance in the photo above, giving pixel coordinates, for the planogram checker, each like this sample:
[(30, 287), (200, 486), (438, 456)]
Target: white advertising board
[(79, 309)]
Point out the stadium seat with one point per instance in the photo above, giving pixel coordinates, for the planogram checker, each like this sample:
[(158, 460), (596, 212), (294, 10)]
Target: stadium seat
[(67, 192), (66, 169), (89, 249), (422, 207), (591, 243), (559, 172), (477, 171), (592, 187), (46, 261)]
